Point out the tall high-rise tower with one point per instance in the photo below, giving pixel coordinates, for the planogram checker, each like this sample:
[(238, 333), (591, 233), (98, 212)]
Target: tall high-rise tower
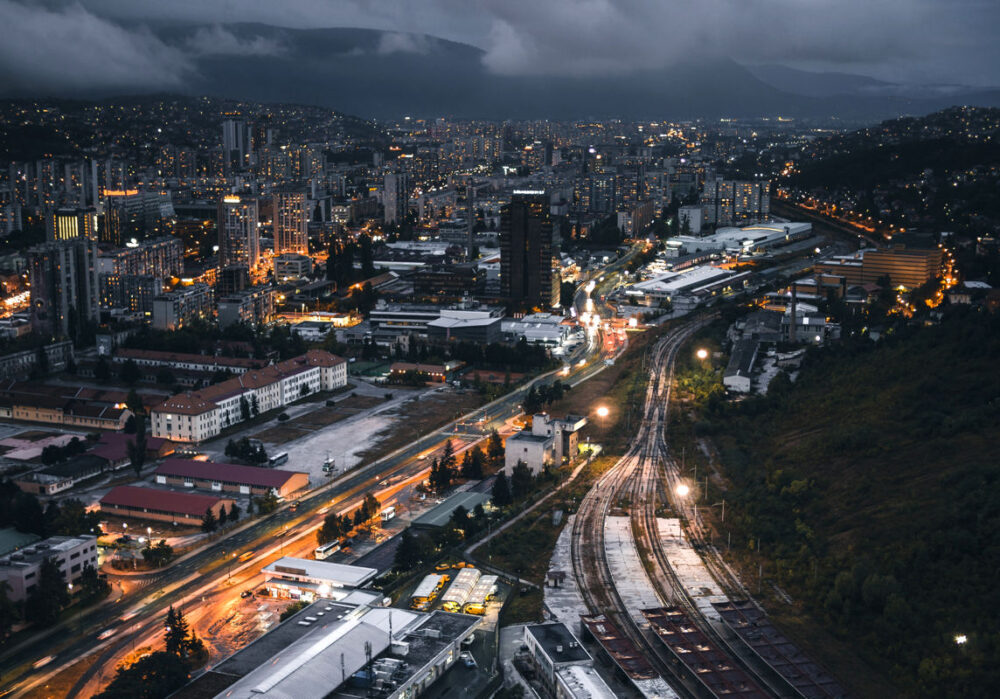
[(67, 224), (235, 144), (64, 287), (291, 221), (239, 236), (526, 261), (396, 196)]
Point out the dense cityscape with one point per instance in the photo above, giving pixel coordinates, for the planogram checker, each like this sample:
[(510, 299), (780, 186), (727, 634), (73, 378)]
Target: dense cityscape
[(301, 403)]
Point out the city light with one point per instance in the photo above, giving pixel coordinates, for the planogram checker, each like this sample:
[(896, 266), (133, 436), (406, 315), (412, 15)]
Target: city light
[(961, 639), (603, 411), (702, 354), (682, 490)]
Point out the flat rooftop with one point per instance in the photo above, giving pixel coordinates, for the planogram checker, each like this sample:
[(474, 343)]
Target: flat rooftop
[(439, 515), (338, 573), (558, 642)]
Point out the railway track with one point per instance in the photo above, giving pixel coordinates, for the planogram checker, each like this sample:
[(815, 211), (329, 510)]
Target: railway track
[(587, 544)]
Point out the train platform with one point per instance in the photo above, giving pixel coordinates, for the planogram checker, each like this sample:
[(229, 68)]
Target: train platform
[(690, 570)]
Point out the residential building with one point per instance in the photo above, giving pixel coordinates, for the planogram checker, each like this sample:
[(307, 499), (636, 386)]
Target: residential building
[(395, 196), (188, 362), (730, 202), (198, 415), (526, 260), (230, 478), (64, 285), (253, 306), (175, 309), (21, 569), (57, 355), (291, 221), (136, 502), (292, 265), (239, 234), (69, 224)]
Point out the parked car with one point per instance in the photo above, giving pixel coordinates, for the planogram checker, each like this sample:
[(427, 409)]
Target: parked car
[(246, 593)]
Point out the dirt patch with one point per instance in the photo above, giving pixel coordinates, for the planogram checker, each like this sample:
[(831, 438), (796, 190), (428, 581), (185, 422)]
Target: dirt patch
[(415, 419), (61, 684)]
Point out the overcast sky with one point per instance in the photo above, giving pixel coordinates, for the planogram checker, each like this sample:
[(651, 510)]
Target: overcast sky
[(56, 43)]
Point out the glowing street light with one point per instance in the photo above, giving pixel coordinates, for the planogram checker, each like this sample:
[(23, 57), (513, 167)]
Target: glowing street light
[(961, 639), (702, 354), (603, 411), (682, 490)]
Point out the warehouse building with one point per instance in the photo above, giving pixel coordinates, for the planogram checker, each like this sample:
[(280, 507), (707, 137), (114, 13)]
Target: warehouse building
[(230, 478), (162, 505), (349, 648)]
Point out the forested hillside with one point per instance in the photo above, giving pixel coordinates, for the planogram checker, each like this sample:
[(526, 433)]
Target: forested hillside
[(873, 485)]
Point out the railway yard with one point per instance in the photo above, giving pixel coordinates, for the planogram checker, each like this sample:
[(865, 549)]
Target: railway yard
[(663, 605)]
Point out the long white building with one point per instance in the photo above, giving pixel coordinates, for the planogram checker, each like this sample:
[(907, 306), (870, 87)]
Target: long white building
[(195, 416)]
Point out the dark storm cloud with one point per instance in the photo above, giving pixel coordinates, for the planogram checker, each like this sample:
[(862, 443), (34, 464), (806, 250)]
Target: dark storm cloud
[(86, 43)]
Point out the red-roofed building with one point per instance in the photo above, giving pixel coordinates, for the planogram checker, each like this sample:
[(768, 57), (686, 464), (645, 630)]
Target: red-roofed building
[(195, 416), (113, 446), (232, 478), (162, 505)]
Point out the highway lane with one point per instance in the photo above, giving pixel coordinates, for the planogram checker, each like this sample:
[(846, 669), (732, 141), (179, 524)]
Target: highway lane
[(208, 565)]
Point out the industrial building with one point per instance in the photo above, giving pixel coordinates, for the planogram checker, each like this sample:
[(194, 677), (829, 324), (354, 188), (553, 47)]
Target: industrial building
[(562, 664), (548, 442), (230, 478), (351, 647), (687, 288), (162, 505)]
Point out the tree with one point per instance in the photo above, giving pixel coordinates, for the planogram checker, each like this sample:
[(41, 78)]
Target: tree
[(472, 464), (153, 677), (266, 503), (129, 425), (254, 405), (292, 609), (158, 554), (333, 528), (102, 371), (42, 361), (250, 508), (92, 587), (130, 372), (73, 519), (331, 261), (244, 409), (448, 455), (209, 523), (460, 518), (50, 595), (223, 517), (520, 480), (176, 631), (441, 476), (495, 449), (365, 254), (500, 494), (409, 553), (234, 512)]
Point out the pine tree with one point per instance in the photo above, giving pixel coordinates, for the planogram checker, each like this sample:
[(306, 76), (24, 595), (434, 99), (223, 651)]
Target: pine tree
[(209, 522), (176, 635), (501, 491), (222, 515), (520, 480), (234, 512)]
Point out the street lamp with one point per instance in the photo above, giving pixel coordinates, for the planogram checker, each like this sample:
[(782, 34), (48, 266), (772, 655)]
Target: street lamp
[(682, 490), (702, 354), (602, 412), (229, 569), (961, 639)]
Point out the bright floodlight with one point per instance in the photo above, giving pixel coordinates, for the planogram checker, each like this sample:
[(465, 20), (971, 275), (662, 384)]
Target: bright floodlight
[(682, 490), (961, 639), (602, 411), (703, 353)]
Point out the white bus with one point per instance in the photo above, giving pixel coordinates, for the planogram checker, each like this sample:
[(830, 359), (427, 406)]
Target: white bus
[(388, 513), (278, 459), (327, 550)]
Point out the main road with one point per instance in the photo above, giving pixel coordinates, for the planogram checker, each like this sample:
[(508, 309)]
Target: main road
[(197, 573)]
